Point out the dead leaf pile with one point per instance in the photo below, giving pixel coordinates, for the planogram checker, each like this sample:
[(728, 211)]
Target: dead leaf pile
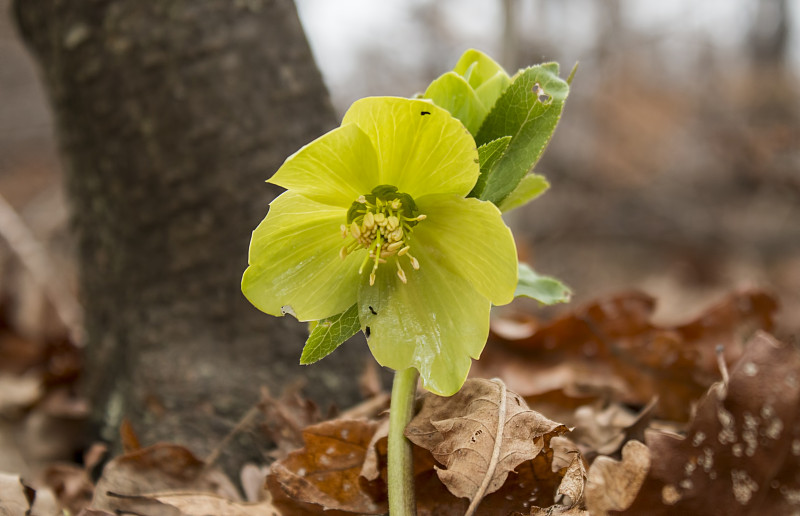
[(610, 348), (648, 421)]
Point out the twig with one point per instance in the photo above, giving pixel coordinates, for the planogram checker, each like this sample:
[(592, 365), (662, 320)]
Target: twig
[(243, 423), (36, 259)]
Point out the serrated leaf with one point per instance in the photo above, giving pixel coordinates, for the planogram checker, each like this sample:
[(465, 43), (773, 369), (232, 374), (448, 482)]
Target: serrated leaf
[(545, 289), (531, 187), (488, 154), (329, 334), (529, 115)]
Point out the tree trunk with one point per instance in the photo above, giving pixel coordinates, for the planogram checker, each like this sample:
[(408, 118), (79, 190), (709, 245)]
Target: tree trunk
[(170, 116)]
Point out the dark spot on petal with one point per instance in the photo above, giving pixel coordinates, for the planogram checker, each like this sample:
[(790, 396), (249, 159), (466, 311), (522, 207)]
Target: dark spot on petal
[(425, 113), (373, 311), (366, 331), (544, 98)]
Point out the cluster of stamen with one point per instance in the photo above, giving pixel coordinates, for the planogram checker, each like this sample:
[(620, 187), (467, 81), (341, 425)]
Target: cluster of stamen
[(381, 222)]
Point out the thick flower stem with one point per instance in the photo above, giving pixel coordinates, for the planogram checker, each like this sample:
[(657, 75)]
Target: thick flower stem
[(400, 466)]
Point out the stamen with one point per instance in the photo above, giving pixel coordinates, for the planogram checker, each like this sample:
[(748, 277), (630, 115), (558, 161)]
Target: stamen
[(369, 220), (394, 246), (381, 223)]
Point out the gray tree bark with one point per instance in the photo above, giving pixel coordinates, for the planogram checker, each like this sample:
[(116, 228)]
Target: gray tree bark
[(170, 116)]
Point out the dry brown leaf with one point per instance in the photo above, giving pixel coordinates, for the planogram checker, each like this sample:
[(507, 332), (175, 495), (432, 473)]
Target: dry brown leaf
[(254, 481), (15, 496), (129, 479), (611, 347), (603, 431), (286, 417), (570, 492), (741, 453), (326, 472), (71, 484), (203, 504), (612, 485), (480, 435)]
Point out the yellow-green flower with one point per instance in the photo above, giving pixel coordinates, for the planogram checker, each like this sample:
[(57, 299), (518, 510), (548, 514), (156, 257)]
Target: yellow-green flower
[(376, 215)]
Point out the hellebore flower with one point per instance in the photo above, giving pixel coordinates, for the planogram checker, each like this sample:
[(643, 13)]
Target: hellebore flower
[(470, 90), (375, 214)]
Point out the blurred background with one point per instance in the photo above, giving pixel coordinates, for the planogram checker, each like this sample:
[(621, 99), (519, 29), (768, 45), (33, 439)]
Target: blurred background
[(675, 169)]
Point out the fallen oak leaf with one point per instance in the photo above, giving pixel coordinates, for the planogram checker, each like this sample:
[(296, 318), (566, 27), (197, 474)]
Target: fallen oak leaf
[(15, 496), (130, 478), (612, 485), (202, 504), (326, 472), (741, 452), (480, 435), (611, 346), (571, 491)]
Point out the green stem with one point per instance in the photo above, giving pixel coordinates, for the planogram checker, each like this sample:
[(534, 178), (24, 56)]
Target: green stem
[(400, 465)]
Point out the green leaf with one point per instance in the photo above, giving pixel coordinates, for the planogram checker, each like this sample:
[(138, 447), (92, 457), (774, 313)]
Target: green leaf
[(531, 187), (488, 154), (530, 118), (329, 334), (544, 289)]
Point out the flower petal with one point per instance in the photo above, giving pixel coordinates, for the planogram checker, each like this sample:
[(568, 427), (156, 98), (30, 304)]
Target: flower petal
[(294, 261), (334, 169), (453, 93), (469, 237), (421, 148), (477, 68), (434, 323)]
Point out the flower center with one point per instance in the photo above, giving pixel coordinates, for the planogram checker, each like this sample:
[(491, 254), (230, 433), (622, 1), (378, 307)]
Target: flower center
[(381, 222)]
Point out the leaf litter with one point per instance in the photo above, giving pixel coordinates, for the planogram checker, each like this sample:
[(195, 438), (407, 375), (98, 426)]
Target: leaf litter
[(600, 412)]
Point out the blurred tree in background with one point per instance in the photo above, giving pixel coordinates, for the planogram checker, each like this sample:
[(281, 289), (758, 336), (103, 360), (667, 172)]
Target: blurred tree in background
[(169, 116)]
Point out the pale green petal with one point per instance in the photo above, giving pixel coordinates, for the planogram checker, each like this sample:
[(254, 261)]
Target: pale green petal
[(294, 261), (421, 148), (453, 93), (477, 67), (490, 91), (469, 237), (434, 323), (334, 169)]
